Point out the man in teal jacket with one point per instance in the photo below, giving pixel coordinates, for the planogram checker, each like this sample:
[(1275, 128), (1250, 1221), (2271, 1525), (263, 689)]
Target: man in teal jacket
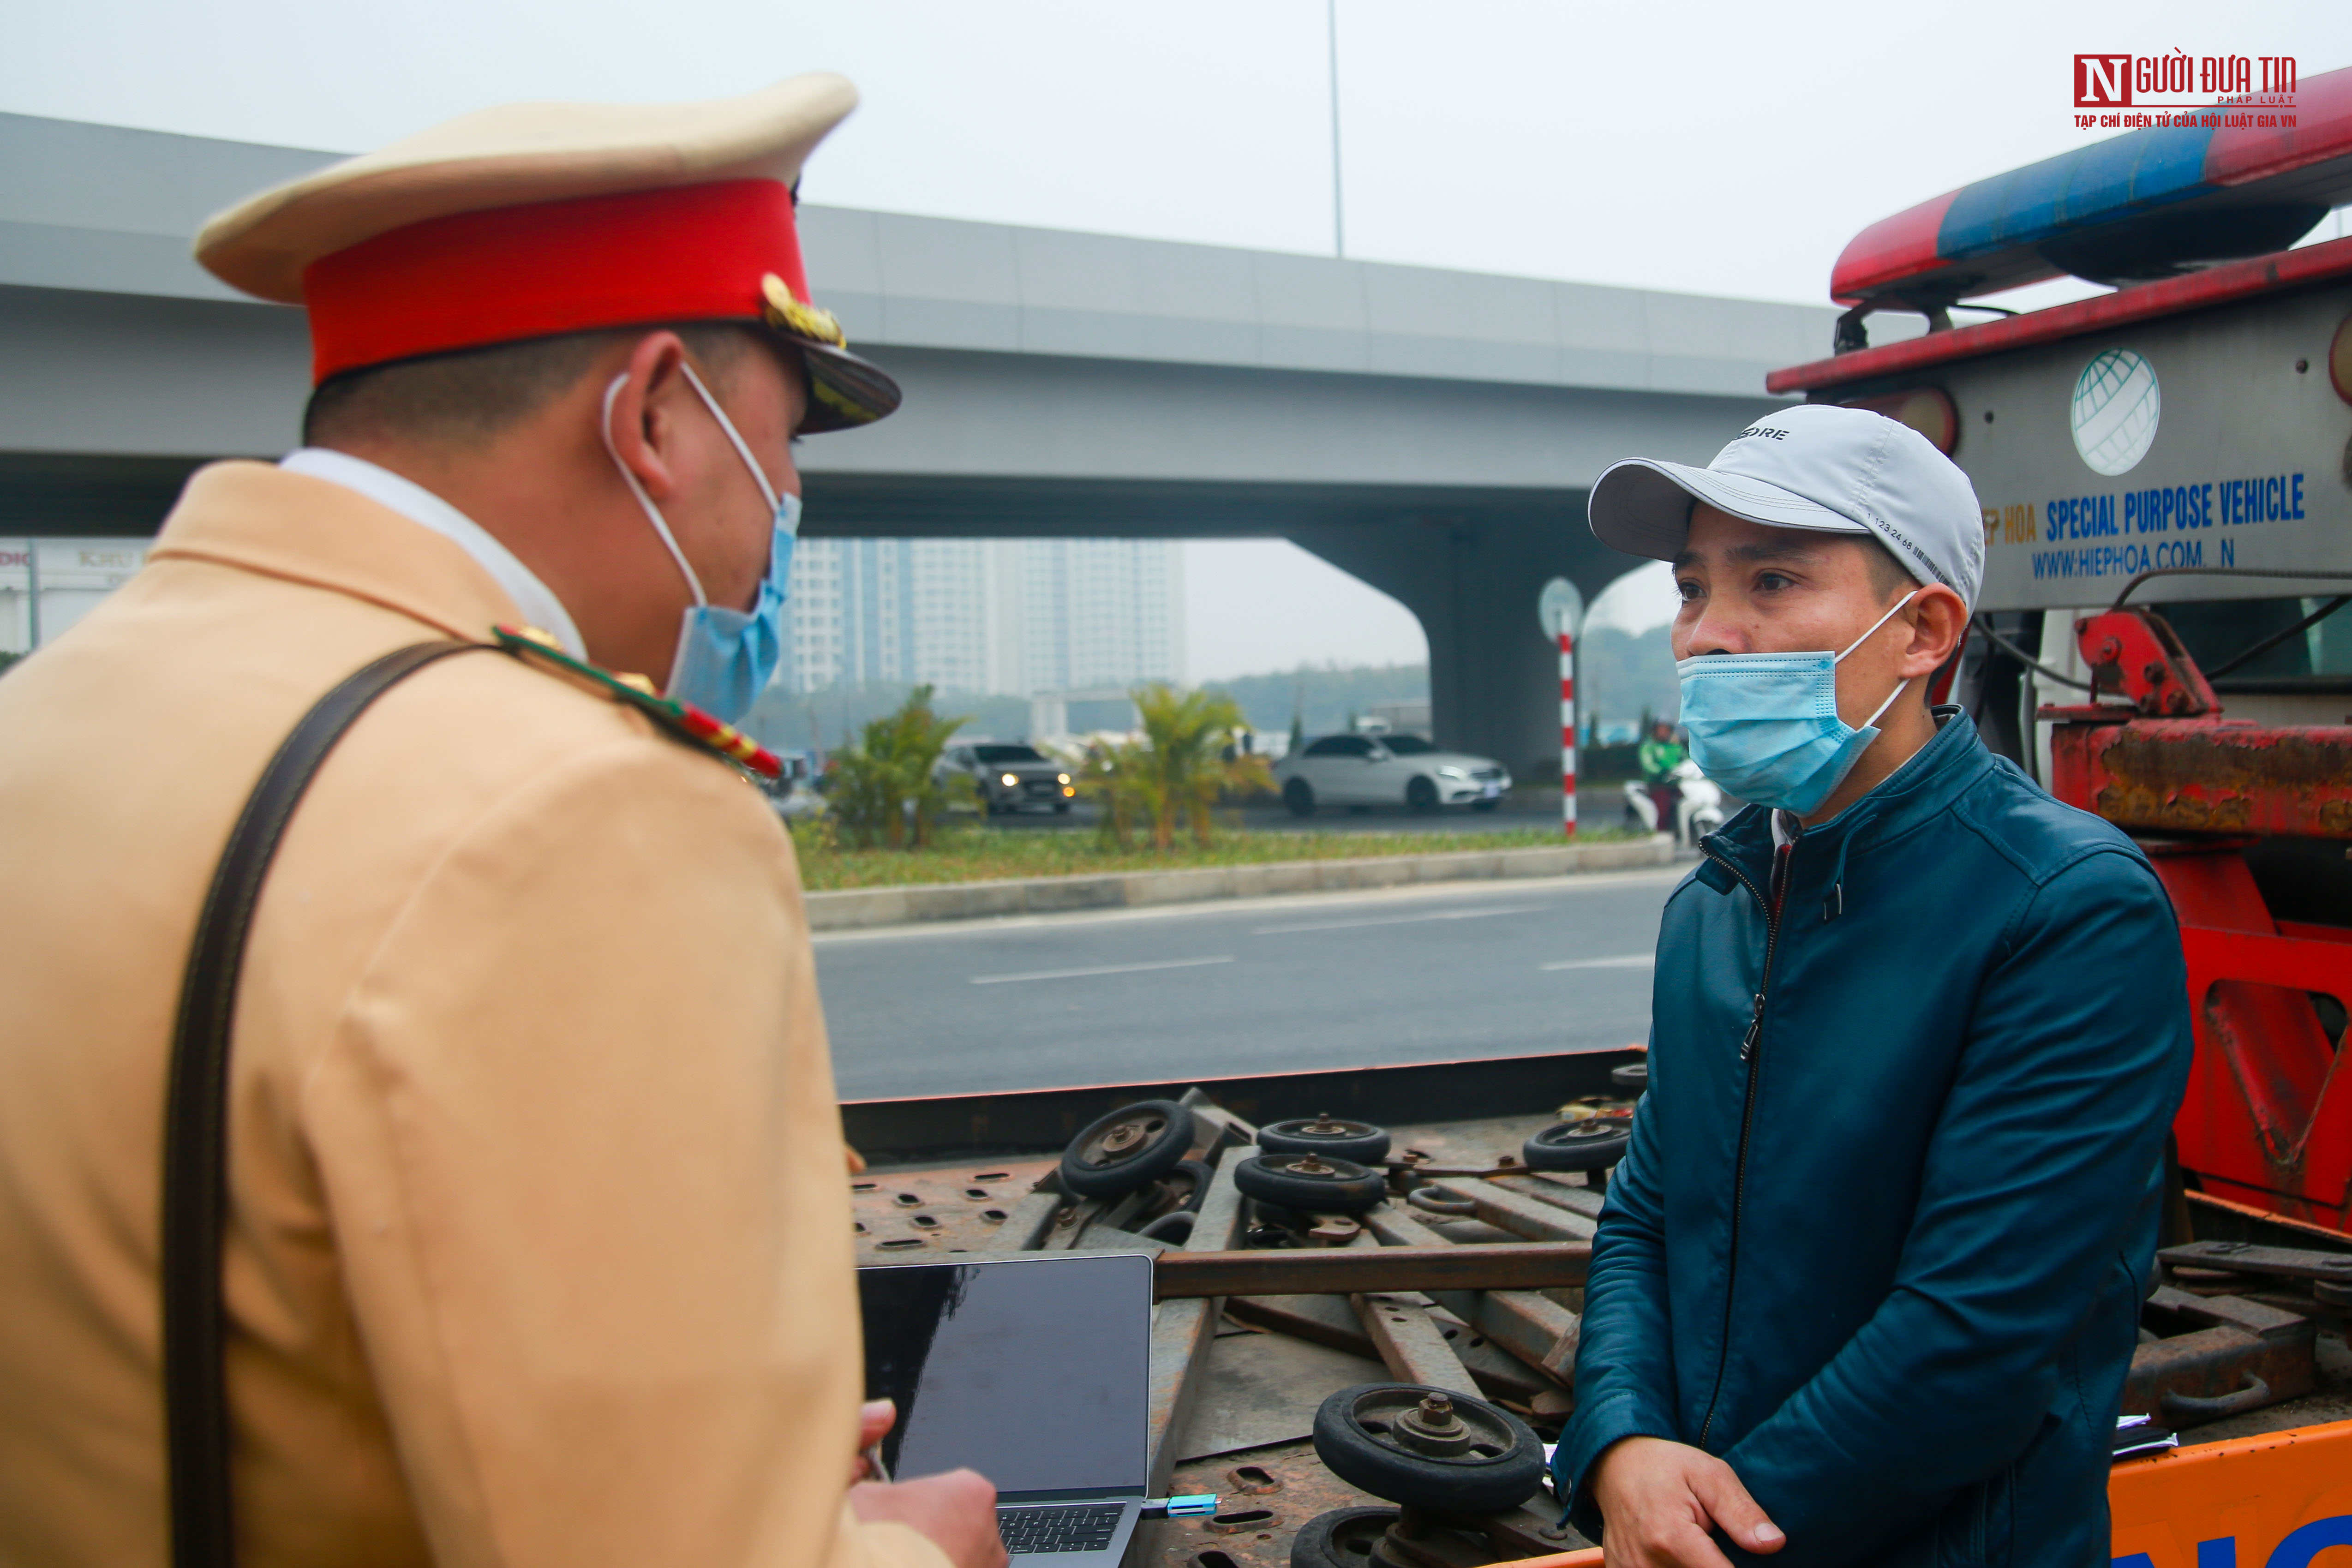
[(1868, 1281)]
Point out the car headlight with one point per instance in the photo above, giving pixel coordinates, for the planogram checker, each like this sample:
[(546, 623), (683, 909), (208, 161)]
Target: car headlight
[(1010, 779), (1452, 773), (1061, 778)]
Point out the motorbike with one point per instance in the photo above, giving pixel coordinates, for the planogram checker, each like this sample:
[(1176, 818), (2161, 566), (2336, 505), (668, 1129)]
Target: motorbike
[(1697, 812)]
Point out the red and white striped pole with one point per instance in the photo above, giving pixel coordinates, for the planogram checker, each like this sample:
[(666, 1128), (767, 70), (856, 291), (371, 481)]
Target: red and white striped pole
[(1567, 729)]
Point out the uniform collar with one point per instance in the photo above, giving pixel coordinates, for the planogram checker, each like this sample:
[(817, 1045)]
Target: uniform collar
[(260, 518), (412, 500)]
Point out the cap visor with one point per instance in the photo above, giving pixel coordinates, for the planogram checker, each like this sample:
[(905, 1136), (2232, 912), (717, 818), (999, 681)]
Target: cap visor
[(1642, 507), (845, 391)]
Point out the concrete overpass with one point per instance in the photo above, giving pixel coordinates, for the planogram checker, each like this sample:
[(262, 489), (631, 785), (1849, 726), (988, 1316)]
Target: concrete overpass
[(1432, 432)]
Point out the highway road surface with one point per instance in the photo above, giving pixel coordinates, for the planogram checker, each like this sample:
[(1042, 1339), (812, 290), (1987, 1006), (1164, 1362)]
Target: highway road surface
[(1466, 970)]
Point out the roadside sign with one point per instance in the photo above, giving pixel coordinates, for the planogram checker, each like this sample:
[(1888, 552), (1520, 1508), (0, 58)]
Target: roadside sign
[(1560, 607)]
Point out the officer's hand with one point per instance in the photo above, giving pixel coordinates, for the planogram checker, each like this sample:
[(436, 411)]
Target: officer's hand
[(957, 1510), (1659, 1500)]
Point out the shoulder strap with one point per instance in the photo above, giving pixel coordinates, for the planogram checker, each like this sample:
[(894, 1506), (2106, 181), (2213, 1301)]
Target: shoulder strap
[(195, 1174)]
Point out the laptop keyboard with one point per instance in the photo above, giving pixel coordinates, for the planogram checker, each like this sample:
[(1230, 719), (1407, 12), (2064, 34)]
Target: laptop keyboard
[(1086, 1528)]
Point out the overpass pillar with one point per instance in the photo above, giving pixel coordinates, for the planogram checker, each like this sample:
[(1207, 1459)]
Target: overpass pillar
[(1472, 580)]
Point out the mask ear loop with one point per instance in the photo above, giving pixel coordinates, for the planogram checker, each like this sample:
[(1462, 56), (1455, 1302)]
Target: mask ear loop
[(1900, 686), (1876, 623), (653, 513), (742, 448)]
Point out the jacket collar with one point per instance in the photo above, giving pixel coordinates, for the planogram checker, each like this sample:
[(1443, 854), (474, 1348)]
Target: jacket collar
[(1922, 787), (256, 517)]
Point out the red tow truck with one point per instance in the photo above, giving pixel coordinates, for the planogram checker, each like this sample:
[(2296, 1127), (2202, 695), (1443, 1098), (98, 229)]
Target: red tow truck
[(2166, 478), (2166, 473)]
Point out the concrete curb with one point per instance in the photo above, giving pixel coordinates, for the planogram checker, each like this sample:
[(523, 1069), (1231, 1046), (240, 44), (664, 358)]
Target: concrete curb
[(853, 908)]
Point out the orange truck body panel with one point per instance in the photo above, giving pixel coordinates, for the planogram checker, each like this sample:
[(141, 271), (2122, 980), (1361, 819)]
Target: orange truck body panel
[(2271, 1502)]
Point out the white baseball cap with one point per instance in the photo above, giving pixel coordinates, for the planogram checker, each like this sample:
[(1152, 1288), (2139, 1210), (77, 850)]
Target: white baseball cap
[(1836, 470)]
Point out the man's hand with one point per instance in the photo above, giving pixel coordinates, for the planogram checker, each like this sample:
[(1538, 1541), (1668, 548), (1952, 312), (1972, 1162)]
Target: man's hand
[(1659, 1500), (957, 1510)]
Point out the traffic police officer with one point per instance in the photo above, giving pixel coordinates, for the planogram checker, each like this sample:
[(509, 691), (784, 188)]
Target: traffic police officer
[(538, 1246)]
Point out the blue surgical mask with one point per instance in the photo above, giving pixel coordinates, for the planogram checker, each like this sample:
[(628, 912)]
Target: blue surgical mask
[(725, 657), (1765, 726)]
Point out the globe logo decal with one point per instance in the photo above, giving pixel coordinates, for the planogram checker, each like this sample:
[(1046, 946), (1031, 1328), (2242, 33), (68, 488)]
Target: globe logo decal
[(2114, 411)]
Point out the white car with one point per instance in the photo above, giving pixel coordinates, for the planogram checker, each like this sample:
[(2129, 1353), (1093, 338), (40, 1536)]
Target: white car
[(1387, 770)]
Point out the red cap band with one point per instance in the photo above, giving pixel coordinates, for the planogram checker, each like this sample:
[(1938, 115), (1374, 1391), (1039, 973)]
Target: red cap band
[(685, 254)]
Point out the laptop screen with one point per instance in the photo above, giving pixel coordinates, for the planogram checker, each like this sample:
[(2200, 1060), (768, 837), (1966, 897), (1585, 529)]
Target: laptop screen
[(1034, 1372)]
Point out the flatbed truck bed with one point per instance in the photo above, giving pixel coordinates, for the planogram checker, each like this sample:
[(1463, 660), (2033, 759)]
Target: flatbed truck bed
[(1237, 1379)]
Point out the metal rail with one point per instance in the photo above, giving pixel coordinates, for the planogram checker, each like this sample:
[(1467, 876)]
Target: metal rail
[(1348, 1271)]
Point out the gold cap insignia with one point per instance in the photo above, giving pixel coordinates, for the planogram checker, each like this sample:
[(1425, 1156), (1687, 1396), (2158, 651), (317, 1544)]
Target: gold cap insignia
[(794, 315)]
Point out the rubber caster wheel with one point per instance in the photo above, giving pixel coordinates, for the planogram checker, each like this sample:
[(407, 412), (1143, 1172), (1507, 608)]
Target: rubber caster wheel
[(1426, 1449), (1299, 796), (1344, 1538), (1593, 1144), (1129, 1148), (1311, 1184), (1326, 1134), (1632, 1081)]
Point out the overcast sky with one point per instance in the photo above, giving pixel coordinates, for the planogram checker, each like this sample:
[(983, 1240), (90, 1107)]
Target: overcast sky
[(1710, 147)]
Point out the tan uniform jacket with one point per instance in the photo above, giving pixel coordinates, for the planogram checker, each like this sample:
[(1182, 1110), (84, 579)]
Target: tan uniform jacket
[(540, 1248)]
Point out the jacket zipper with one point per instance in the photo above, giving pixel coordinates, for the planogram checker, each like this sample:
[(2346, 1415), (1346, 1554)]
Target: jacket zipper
[(1771, 907)]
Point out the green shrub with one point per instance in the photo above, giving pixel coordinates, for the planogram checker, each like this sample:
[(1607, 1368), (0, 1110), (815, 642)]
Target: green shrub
[(885, 789)]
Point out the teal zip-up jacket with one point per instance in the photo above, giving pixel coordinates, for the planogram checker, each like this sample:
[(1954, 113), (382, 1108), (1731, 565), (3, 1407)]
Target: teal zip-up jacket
[(1882, 1236)]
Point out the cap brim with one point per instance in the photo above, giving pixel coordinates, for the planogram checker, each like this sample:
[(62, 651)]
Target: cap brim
[(1642, 507), (845, 391)]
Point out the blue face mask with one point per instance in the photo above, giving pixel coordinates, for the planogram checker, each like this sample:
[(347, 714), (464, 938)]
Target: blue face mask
[(1765, 726), (725, 657)]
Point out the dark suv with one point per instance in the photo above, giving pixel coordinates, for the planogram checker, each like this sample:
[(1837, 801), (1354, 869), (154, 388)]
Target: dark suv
[(1010, 776)]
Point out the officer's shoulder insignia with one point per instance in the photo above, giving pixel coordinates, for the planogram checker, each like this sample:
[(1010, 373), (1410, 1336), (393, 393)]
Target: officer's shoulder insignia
[(683, 719)]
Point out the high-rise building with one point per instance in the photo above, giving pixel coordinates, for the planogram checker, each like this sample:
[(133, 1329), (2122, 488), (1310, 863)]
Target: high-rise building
[(991, 616), (1002, 616)]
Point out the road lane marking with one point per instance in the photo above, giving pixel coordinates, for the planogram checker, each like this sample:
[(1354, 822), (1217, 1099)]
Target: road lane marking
[(1104, 969), (1393, 920), (1622, 961)]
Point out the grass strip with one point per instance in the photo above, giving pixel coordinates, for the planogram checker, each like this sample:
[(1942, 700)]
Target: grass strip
[(970, 853)]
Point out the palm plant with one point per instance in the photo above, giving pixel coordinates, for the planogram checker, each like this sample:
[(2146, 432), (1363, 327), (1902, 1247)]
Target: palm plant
[(887, 788), (1118, 778), (1194, 757)]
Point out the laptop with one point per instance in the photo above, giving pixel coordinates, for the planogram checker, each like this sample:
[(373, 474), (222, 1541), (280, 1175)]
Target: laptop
[(1033, 1371)]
